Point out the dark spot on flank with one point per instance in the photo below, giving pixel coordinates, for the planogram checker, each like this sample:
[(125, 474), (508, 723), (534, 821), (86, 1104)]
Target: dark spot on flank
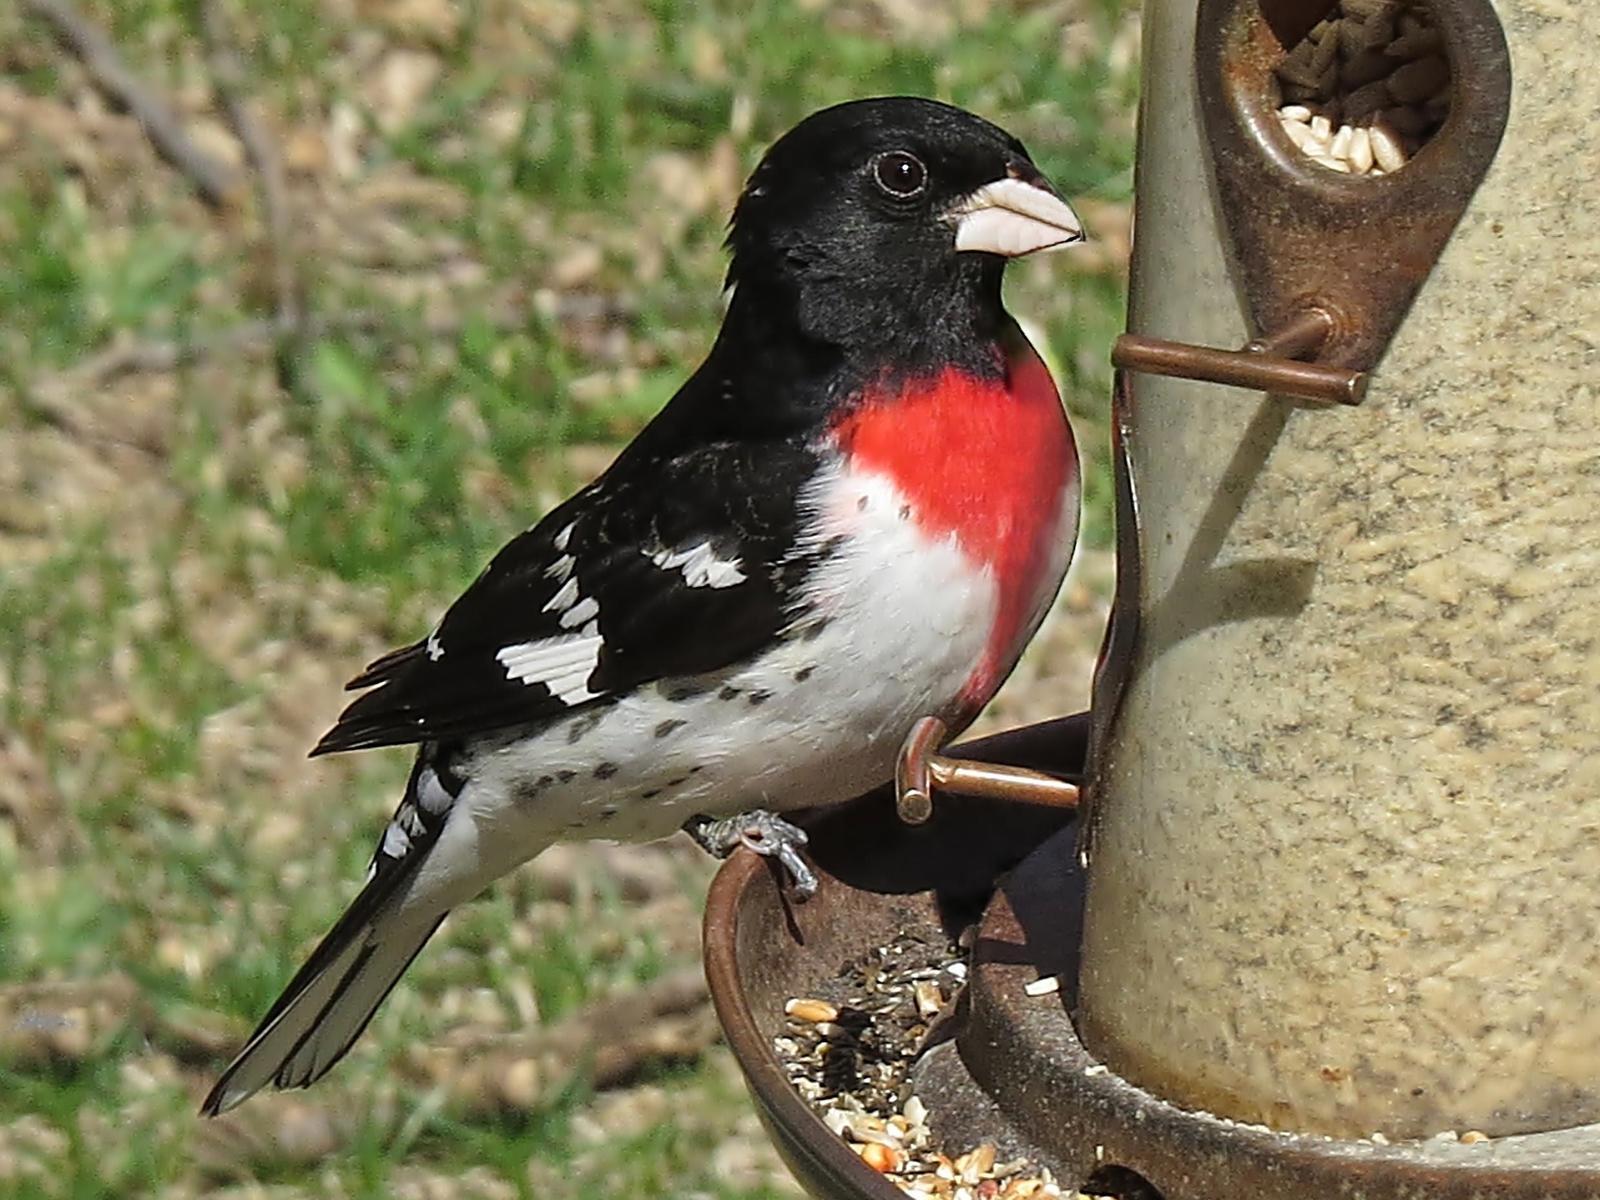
[(803, 674), (566, 776), (728, 692), (609, 811), (697, 768), (583, 726), (759, 697), (605, 770), (678, 782), (544, 781), (677, 692), (814, 630), (861, 504), (650, 795), (668, 726)]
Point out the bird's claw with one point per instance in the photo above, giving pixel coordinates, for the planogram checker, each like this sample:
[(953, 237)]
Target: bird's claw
[(763, 832)]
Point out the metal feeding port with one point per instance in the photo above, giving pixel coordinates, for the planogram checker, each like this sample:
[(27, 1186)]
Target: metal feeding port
[(1346, 139), (1303, 235)]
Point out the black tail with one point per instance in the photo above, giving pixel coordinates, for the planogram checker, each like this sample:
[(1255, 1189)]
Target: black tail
[(331, 998)]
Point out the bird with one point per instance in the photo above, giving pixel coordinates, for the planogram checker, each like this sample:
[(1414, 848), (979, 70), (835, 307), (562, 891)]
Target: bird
[(854, 513)]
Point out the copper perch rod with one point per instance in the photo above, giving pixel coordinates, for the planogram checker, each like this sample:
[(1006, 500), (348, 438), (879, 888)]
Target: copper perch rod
[(919, 770), (1253, 369)]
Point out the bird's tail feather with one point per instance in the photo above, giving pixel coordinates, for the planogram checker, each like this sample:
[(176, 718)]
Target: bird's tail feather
[(330, 1000)]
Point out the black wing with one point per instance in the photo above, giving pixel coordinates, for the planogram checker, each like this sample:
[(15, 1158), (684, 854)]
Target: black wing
[(670, 564)]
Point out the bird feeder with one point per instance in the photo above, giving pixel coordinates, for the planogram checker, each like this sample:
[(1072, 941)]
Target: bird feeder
[(1326, 923)]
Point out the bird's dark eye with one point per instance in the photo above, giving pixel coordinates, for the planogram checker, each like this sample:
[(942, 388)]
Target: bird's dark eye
[(900, 173)]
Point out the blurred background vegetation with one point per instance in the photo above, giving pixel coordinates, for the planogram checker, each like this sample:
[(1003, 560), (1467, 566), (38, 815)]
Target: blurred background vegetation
[(252, 437)]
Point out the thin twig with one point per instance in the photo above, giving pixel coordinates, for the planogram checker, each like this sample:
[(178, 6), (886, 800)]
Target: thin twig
[(217, 184), (55, 399), (228, 78), (250, 338), (245, 338), (259, 336)]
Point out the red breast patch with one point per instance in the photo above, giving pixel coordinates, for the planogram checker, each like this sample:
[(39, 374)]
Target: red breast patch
[(985, 459)]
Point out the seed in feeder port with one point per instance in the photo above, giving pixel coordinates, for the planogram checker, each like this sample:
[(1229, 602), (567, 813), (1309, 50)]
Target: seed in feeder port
[(1325, 56), (1405, 119), (1389, 65), (1365, 101), (1043, 987), (1297, 133), (1366, 69), (1417, 81), (1352, 37), (928, 997), (1473, 1136), (1359, 152), (814, 1012), (1386, 149), (1414, 42)]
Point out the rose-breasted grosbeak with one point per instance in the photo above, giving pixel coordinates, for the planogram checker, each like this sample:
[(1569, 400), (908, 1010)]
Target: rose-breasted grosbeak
[(854, 514)]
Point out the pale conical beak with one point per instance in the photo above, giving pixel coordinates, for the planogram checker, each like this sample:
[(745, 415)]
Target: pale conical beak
[(1013, 217)]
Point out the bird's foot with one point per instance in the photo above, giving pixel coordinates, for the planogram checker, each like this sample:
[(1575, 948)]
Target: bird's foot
[(766, 833)]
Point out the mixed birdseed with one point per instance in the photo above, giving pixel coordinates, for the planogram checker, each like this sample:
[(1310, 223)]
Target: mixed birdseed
[(1366, 88), (850, 1057)]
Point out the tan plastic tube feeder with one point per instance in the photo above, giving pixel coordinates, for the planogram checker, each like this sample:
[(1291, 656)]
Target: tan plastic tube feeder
[(1344, 852)]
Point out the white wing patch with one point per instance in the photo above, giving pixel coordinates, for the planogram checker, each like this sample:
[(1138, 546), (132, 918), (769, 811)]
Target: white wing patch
[(584, 610), (700, 566), (566, 596), (435, 647), (562, 664), (575, 609)]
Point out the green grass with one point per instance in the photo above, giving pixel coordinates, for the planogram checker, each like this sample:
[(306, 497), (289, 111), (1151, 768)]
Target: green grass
[(174, 622)]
